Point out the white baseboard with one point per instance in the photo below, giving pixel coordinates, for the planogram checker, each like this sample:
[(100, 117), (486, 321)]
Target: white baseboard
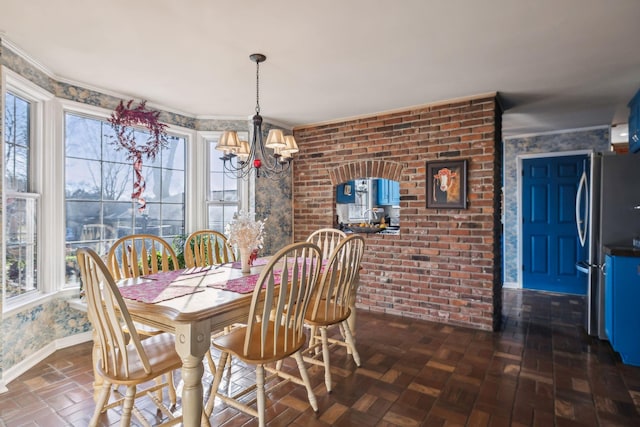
[(511, 285), (37, 357)]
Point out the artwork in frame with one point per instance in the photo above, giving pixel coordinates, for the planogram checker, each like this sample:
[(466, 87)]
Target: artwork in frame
[(447, 184)]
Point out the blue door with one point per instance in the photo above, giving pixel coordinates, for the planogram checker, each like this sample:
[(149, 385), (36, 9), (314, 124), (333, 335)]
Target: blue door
[(551, 246)]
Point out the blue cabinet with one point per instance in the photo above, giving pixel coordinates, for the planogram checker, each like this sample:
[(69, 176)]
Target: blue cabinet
[(388, 192), (622, 317), (383, 192), (395, 193), (608, 299), (634, 123), (346, 193)]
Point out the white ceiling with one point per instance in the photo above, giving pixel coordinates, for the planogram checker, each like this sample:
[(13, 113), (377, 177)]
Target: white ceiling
[(558, 64)]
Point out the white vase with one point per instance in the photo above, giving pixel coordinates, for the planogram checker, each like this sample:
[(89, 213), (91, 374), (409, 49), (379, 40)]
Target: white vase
[(245, 257)]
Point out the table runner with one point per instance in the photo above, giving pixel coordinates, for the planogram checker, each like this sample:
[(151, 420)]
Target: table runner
[(164, 286), (246, 284), (241, 285), (168, 285)]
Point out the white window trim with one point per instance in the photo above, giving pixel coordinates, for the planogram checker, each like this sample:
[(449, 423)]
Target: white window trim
[(42, 141), (205, 138), (49, 178), (192, 203)]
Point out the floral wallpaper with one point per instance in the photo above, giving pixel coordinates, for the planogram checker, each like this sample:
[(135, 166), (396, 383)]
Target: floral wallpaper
[(596, 139), (28, 331), (273, 200)]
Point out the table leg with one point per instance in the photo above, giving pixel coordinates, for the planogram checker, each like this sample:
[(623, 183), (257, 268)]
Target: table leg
[(192, 342), (351, 320)]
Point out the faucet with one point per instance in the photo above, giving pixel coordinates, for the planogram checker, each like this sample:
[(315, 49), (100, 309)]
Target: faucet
[(373, 211)]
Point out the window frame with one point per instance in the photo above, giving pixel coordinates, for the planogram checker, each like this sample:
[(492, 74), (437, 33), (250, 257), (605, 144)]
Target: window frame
[(102, 114), (47, 170), (208, 140), (42, 107)]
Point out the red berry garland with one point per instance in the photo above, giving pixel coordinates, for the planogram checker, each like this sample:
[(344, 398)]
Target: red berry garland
[(123, 121)]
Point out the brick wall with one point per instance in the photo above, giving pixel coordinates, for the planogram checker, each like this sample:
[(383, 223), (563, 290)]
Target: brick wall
[(445, 265)]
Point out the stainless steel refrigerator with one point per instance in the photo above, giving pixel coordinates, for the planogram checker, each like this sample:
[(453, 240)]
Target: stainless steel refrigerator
[(607, 213)]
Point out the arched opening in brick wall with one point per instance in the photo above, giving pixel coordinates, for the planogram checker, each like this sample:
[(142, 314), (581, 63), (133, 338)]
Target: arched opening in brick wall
[(365, 169), (368, 192)]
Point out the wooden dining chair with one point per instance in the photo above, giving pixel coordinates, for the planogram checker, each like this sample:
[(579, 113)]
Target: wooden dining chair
[(332, 303), (204, 248), (207, 247), (99, 237), (140, 254), (274, 329), (327, 239), (123, 358)]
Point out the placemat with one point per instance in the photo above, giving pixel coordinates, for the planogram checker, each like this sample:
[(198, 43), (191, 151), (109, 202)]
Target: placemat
[(168, 285), (244, 284), (152, 292), (174, 275)]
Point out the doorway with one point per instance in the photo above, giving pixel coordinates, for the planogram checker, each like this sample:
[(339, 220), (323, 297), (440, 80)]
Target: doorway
[(550, 242)]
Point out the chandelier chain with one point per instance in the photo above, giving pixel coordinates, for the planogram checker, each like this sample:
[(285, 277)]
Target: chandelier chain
[(258, 87)]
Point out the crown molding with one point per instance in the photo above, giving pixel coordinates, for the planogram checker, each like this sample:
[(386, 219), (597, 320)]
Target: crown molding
[(398, 110), (22, 54)]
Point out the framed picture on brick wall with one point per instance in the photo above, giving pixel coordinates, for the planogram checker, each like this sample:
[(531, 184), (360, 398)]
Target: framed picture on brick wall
[(447, 184)]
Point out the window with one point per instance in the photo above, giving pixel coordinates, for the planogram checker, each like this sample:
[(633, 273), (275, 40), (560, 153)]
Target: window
[(17, 143), (99, 182), (224, 191), (21, 119)]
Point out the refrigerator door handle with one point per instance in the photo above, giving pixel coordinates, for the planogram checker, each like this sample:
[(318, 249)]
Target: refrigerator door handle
[(582, 221)]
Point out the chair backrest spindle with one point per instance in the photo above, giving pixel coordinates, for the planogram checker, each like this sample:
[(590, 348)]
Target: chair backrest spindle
[(327, 239), (277, 312), (207, 247), (139, 255)]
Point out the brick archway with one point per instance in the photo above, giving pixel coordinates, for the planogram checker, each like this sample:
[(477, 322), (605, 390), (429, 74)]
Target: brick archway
[(365, 169)]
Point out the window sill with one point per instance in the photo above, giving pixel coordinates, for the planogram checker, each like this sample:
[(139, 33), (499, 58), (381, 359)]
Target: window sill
[(30, 301), (78, 304)]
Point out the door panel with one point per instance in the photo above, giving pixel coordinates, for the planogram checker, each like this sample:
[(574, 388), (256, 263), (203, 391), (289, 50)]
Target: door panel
[(539, 254), (567, 247), (567, 204), (551, 246), (539, 204)]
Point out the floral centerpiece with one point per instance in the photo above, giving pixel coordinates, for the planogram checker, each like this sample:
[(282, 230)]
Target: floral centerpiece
[(247, 235)]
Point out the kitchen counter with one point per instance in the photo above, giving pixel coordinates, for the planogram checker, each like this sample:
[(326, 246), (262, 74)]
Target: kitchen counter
[(351, 229), (622, 250)]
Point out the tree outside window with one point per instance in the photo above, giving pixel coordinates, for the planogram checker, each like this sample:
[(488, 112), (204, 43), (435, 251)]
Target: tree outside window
[(99, 183)]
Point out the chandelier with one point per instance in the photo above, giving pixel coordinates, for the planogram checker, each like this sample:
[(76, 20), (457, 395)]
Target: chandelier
[(240, 158)]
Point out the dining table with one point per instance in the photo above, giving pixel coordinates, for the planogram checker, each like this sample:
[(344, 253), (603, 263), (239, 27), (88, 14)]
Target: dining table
[(192, 303)]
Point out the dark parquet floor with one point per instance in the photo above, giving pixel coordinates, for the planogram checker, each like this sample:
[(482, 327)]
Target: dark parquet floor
[(541, 369)]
